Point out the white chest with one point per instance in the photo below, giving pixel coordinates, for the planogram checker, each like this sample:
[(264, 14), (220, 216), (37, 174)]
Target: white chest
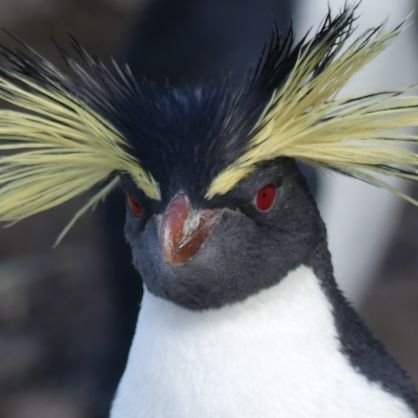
[(274, 355)]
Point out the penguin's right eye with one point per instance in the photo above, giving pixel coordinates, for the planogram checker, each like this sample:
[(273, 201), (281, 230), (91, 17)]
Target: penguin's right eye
[(134, 206), (265, 198)]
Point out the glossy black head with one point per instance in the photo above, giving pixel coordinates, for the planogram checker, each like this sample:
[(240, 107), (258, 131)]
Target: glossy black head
[(253, 241)]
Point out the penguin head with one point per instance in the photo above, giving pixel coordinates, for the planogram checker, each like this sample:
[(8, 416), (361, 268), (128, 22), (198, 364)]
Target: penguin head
[(205, 254)]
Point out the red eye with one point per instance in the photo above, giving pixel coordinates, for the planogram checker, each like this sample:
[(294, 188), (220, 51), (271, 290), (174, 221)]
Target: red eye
[(134, 206), (265, 198)]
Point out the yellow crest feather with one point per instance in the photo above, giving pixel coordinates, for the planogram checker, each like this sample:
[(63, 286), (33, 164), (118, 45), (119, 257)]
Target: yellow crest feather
[(358, 136), (55, 147)]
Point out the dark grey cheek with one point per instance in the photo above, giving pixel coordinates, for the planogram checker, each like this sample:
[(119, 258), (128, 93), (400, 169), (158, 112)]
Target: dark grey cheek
[(239, 258), (202, 280), (146, 255), (144, 248), (132, 228)]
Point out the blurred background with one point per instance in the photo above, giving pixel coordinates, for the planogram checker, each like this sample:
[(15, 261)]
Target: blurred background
[(67, 314)]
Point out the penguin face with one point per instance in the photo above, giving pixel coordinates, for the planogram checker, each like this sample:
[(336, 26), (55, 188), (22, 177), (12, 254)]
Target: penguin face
[(201, 254)]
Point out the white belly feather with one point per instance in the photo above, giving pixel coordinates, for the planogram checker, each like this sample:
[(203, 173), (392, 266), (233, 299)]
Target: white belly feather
[(274, 355)]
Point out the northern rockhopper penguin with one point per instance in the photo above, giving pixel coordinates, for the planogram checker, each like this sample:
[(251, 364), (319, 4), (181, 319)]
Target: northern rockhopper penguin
[(241, 315)]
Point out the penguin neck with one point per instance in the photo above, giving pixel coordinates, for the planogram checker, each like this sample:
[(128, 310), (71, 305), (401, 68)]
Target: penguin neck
[(301, 287), (307, 284)]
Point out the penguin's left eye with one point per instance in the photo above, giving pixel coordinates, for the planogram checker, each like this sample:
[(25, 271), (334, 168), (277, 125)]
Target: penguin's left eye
[(265, 198), (134, 206)]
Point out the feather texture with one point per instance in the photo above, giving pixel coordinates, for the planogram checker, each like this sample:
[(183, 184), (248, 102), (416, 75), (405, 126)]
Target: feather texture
[(54, 145), (65, 135), (358, 136)]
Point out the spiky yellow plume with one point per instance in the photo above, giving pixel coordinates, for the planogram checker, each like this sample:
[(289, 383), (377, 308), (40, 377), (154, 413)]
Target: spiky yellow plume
[(54, 146), (63, 135), (359, 136)]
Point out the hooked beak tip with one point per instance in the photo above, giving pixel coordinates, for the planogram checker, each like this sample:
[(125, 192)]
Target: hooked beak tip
[(183, 231)]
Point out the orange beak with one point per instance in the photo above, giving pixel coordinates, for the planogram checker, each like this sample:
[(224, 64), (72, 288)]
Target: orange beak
[(183, 230)]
